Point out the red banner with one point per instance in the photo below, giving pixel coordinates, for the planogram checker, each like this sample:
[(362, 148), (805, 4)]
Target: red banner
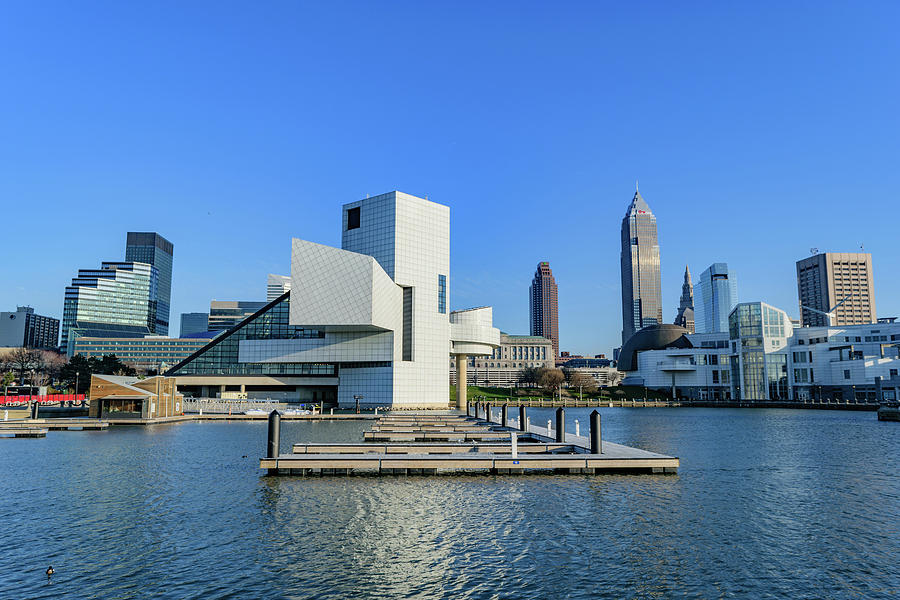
[(46, 399)]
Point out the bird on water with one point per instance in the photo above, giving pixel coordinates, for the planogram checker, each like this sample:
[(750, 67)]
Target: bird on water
[(50, 571)]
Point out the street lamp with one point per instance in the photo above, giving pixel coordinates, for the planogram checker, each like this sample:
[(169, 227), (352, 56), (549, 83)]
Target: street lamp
[(76, 383), (358, 398)]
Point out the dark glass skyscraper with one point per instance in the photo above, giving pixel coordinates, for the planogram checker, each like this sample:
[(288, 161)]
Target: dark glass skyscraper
[(542, 302), (154, 249), (641, 296)]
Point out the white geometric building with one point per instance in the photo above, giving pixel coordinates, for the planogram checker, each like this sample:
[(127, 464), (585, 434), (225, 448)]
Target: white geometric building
[(370, 319)]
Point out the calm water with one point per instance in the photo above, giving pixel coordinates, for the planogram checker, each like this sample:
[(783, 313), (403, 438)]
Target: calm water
[(767, 504)]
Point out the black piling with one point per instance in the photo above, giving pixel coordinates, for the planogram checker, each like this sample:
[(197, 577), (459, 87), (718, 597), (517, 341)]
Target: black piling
[(34, 409), (522, 419), (560, 425), (274, 437), (487, 412), (596, 441), (504, 414)]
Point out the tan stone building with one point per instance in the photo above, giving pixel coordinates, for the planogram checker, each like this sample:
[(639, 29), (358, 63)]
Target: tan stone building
[(836, 284)]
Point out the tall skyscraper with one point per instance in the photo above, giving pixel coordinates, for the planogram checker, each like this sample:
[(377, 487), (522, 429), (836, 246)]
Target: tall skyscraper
[(117, 300), (543, 306), (154, 249), (716, 297), (838, 282), (276, 286), (685, 316), (641, 294)]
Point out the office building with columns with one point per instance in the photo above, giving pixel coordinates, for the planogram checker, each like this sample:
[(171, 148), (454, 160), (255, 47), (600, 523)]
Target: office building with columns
[(370, 319), (502, 366)]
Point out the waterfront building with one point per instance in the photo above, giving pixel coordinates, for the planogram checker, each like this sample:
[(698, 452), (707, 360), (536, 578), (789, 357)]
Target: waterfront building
[(119, 397), (276, 285), (759, 365), (687, 365), (716, 297), (641, 293), (151, 353), (543, 305), (154, 249), (195, 322), (117, 300), (367, 321), (685, 316), (839, 284), (26, 329), (225, 314), (764, 358), (505, 363), (843, 362)]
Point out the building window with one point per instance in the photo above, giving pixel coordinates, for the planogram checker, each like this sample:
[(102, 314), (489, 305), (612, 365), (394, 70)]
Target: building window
[(846, 373), (442, 294), (893, 373), (353, 218)]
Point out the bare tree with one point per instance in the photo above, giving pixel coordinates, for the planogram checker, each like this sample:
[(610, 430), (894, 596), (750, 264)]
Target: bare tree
[(550, 379), (23, 360), (583, 382)]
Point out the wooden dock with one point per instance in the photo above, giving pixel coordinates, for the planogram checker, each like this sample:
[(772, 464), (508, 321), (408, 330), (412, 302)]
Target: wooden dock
[(434, 444)]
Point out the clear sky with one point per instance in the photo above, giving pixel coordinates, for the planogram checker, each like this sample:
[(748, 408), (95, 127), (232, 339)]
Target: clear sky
[(758, 130)]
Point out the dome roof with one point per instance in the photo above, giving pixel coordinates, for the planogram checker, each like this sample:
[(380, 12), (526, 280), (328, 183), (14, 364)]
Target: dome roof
[(655, 337)]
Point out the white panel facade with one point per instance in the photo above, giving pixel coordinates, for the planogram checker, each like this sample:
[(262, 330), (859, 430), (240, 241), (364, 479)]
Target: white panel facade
[(340, 288)]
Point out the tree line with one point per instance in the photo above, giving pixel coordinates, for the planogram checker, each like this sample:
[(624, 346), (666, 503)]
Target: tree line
[(27, 366), (551, 379)]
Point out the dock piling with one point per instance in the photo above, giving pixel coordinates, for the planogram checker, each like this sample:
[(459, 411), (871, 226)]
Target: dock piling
[(577, 429), (560, 424), (504, 415), (274, 445), (522, 418), (487, 412), (596, 441)]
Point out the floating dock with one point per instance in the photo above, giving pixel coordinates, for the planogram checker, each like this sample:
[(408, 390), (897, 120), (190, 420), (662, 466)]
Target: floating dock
[(22, 432), (425, 444)]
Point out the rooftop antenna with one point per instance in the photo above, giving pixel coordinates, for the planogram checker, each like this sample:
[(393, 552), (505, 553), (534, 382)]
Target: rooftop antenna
[(862, 247), (813, 250), (637, 190)]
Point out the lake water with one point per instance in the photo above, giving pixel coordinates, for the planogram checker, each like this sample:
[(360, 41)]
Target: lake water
[(767, 504)]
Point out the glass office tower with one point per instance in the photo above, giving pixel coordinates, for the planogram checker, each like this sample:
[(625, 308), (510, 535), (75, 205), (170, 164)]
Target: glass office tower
[(716, 296), (117, 300), (759, 335), (154, 249), (641, 295)]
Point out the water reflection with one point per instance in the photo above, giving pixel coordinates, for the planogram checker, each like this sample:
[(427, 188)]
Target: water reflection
[(767, 503)]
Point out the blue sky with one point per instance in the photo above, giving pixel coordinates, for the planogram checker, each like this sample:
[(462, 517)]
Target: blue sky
[(757, 131)]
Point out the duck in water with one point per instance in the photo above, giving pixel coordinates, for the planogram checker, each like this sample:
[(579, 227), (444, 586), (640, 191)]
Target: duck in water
[(50, 571)]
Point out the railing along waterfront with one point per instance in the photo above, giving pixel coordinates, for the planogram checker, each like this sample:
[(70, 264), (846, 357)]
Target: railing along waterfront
[(217, 406)]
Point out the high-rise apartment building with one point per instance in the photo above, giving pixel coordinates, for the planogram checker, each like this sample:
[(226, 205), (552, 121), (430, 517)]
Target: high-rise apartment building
[(641, 293), (196, 322), (154, 249), (225, 314), (685, 316), (24, 328), (276, 286), (836, 284), (716, 297), (117, 300), (543, 305)]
